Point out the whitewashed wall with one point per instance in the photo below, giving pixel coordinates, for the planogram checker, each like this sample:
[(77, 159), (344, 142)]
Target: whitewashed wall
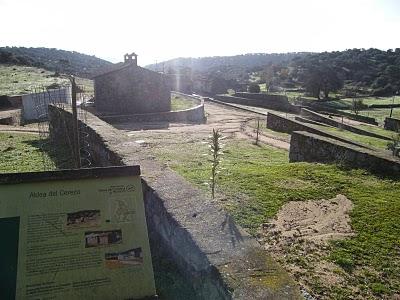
[(34, 106)]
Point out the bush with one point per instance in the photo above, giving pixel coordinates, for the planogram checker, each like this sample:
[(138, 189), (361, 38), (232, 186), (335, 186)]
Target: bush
[(394, 145), (357, 105), (388, 90), (253, 88)]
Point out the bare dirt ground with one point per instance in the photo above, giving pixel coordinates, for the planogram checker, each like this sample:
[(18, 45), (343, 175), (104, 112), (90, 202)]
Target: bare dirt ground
[(298, 236), (8, 112), (229, 120), (316, 221), (31, 128)]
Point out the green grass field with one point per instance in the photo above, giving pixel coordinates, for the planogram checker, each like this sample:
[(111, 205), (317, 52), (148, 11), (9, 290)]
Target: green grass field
[(371, 141), (181, 103), (21, 152), (17, 80), (255, 181), (380, 114)]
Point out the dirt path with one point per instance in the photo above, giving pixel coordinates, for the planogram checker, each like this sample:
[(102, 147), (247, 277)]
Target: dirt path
[(21, 129), (264, 138), (5, 113), (229, 120)]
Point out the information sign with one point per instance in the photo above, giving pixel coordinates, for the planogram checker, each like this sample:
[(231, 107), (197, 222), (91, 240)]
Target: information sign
[(74, 234)]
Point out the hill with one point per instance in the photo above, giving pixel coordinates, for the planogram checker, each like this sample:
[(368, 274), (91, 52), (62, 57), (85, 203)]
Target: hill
[(247, 61), (367, 71), (374, 69), (68, 62), (18, 80)]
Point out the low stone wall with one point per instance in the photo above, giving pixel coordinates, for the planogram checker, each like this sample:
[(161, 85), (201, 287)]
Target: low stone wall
[(282, 124), (60, 130), (321, 108), (262, 96), (305, 146), (384, 105), (191, 115), (276, 102), (219, 258), (359, 118), (323, 119), (304, 120), (392, 124)]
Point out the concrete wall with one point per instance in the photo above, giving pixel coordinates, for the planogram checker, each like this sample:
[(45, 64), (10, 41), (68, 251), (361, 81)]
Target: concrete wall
[(305, 146), (323, 119), (217, 256), (282, 124), (275, 102), (392, 124), (35, 105), (191, 115), (132, 90)]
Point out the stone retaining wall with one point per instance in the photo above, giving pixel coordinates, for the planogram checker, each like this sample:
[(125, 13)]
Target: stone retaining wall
[(355, 117), (305, 146), (392, 124), (323, 119), (276, 102), (282, 124), (384, 105), (321, 108), (219, 258)]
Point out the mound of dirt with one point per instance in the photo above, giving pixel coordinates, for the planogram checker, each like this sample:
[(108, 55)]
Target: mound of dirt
[(297, 237), (315, 221)]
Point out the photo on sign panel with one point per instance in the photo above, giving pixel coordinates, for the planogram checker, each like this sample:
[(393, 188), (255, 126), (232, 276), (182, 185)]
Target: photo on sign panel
[(102, 238), (131, 257), (83, 218)]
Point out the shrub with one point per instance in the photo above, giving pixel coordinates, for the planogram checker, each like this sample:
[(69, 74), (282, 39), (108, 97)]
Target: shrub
[(385, 91), (253, 88), (357, 105), (394, 145), (216, 152)]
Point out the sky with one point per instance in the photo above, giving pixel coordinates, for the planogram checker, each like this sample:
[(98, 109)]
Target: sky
[(159, 30)]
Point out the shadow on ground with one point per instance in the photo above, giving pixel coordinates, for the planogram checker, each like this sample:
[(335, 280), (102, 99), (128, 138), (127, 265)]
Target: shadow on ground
[(54, 156)]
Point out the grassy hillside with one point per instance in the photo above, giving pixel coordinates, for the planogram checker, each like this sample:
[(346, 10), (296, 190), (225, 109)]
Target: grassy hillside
[(68, 62), (17, 80)]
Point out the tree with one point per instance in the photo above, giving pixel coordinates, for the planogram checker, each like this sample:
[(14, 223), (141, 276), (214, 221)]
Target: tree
[(268, 76), (319, 76), (253, 88), (357, 105)]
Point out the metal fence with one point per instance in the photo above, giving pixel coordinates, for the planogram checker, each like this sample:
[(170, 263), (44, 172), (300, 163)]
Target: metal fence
[(73, 98)]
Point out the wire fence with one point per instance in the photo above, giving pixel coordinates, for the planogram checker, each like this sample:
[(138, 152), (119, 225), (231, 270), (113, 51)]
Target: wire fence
[(61, 98)]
